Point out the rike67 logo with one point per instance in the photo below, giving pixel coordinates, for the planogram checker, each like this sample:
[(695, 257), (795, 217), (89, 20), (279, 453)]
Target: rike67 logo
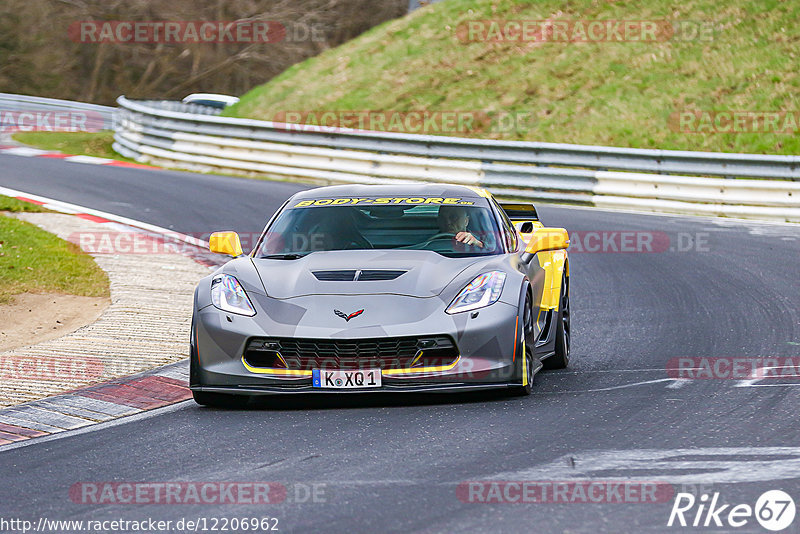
[(774, 510)]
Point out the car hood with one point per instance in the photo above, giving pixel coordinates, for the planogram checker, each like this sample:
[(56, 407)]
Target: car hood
[(425, 273)]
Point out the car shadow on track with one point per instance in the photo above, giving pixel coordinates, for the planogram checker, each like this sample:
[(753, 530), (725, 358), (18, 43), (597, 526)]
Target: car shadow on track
[(365, 400)]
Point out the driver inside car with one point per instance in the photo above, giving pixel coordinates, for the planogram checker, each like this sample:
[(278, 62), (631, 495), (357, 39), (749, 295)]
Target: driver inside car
[(454, 220)]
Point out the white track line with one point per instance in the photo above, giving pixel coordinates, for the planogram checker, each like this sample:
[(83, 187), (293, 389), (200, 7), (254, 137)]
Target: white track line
[(88, 159), (24, 151), (66, 207)]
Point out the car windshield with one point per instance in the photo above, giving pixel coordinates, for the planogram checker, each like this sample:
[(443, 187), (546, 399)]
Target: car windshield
[(452, 227)]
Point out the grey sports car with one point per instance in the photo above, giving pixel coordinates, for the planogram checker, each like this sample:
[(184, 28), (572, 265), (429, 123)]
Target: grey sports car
[(383, 288)]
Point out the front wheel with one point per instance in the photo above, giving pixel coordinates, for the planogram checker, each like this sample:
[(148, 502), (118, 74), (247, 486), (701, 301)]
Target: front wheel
[(560, 359), (526, 365)]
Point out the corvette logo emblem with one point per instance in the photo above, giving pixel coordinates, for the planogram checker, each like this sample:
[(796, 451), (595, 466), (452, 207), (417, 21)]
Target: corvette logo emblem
[(348, 317)]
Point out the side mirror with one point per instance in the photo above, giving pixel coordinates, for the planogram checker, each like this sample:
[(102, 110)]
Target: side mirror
[(546, 239), (225, 243)]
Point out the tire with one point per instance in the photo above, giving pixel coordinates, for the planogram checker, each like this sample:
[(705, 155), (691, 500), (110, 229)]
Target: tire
[(560, 359), (526, 353), (219, 400), (194, 376)]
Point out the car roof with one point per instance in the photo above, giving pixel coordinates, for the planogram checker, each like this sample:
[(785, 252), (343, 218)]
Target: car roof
[(393, 190), (227, 99)]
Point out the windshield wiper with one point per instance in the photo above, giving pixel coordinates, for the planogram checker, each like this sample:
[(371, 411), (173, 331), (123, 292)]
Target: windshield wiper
[(290, 256)]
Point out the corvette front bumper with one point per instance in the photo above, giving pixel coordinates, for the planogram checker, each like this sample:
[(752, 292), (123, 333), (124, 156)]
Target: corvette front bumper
[(485, 340)]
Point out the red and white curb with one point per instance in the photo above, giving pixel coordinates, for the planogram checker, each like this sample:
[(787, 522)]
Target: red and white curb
[(103, 402), (31, 152), (120, 397)]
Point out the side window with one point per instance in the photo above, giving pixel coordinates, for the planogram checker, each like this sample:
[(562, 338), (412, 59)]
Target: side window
[(509, 232)]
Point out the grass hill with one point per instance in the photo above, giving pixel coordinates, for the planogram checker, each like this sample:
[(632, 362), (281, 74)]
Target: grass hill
[(734, 56)]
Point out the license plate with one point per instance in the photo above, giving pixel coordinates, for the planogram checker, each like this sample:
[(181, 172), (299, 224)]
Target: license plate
[(346, 379)]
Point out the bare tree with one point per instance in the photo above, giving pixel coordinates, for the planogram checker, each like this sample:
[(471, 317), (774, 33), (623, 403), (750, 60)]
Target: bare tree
[(39, 55)]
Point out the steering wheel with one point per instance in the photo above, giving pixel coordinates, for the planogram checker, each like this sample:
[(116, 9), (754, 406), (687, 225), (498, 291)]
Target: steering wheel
[(441, 235)]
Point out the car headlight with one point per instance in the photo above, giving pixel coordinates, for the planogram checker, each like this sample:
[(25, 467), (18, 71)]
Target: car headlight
[(228, 295), (481, 292)]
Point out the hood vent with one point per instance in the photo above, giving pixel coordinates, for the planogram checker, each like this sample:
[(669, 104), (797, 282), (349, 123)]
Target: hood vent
[(375, 275), (366, 275), (335, 276)]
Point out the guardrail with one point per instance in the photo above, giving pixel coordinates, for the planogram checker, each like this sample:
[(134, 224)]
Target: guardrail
[(92, 117), (171, 134)]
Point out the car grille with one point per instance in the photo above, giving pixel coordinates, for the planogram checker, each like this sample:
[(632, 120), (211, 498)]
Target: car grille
[(383, 353)]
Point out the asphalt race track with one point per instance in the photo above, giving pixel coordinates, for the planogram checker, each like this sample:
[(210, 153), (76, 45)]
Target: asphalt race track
[(395, 464)]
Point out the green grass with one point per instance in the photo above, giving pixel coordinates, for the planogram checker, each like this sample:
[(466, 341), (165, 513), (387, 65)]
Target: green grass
[(12, 204), (35, 261), (616, 94), (96, 144)]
